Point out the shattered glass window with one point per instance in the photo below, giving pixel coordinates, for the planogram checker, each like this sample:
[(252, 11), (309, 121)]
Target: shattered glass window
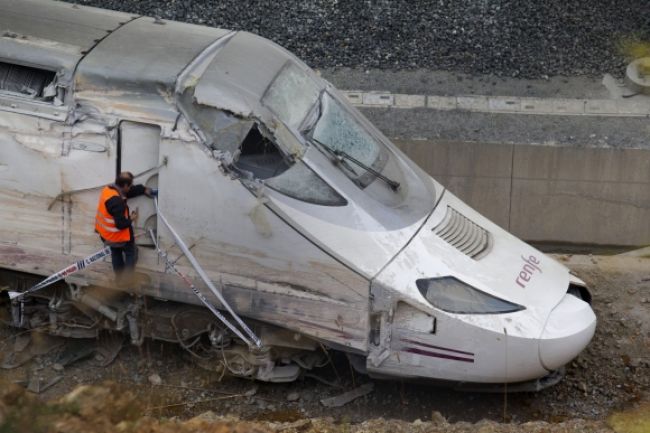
[(338, 130), (301, 183), (291, 95)]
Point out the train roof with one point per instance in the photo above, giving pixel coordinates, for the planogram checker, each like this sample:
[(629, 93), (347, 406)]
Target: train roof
[(138, 64), (53, 35), (114, 59)]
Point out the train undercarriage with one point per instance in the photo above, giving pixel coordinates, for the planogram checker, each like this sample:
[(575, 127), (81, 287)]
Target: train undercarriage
[(71, 310)]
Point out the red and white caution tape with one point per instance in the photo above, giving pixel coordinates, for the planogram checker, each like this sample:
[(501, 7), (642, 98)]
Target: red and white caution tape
[(171, 266), (252, 340), (73, 268)]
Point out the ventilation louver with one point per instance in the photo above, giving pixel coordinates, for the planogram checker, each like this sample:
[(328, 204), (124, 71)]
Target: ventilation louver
[(24, 80), (463, 234)]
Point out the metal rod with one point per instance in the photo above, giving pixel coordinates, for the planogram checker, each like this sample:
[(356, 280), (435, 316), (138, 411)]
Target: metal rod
[(197, 267), (198, 294)]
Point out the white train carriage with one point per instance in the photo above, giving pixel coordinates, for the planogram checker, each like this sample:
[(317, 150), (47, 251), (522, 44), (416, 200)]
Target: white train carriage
[(313, 226)]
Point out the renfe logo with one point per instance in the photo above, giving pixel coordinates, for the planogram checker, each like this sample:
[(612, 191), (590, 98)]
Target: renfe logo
[(526, 273)]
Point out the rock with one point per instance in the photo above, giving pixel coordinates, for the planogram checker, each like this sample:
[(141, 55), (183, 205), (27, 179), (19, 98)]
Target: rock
[(155, 379), (347, 397), (293, 396), (438, 419), (208, 416), (57, 367), (307, 396)]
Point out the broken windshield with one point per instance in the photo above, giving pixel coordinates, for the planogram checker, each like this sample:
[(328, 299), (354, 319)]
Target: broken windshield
[(337, 129), (291, 95)]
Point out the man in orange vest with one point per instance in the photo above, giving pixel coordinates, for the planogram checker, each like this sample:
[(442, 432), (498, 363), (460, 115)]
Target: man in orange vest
[(114, 222)]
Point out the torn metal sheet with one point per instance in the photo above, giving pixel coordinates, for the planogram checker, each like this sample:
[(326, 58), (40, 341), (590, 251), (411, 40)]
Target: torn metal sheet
[(237, 83)]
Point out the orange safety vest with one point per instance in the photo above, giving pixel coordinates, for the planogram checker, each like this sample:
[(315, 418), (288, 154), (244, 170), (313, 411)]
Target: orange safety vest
[(104, 222)]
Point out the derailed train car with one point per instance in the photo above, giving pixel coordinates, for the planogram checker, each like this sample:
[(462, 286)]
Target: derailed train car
[(316, 229)]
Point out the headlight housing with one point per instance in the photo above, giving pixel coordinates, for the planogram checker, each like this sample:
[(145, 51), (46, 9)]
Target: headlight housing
[(453, 296)]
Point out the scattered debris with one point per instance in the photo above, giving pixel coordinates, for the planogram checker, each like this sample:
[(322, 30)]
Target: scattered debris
[(28, 346), (38, 384), (615, 371), (347, 397), (109, 408)]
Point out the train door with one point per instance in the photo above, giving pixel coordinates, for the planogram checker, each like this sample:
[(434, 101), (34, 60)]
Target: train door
[(139, 153)]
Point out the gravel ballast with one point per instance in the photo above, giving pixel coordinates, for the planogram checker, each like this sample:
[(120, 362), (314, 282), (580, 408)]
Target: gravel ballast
[(515, 38)]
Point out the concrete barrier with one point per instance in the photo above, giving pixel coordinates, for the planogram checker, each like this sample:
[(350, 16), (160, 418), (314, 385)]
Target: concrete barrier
[(547, 193)]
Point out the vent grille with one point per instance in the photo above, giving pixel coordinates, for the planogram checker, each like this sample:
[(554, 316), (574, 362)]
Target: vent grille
[(463, 234), (24, 80)]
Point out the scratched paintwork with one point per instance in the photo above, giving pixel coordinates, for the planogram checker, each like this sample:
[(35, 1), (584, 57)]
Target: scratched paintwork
[(344, 275)]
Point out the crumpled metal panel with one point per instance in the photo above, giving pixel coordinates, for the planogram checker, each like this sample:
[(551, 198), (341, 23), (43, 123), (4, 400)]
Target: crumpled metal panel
[(136, 67), (143, 55), (235, 81), (54, 35)]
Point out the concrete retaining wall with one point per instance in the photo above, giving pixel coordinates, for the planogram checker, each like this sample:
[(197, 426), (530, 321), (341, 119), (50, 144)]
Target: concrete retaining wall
[(547, 193)]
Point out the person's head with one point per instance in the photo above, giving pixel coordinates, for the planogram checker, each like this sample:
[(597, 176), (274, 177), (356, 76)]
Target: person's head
[(124, 181)]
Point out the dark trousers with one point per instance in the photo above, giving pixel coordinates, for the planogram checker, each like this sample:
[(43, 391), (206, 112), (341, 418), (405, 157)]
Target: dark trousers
[(124, 258)]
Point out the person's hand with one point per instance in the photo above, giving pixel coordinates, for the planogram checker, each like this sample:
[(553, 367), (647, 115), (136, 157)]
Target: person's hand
[(134, 215), (151, 192)]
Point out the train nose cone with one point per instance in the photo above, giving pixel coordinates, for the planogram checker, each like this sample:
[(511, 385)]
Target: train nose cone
[(569, 328)]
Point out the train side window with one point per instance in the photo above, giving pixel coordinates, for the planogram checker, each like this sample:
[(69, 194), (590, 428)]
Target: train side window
[(34, 83), (302, 183)]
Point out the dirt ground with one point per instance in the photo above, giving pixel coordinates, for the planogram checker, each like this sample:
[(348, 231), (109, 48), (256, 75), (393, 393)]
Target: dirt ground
[(157, 388)]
